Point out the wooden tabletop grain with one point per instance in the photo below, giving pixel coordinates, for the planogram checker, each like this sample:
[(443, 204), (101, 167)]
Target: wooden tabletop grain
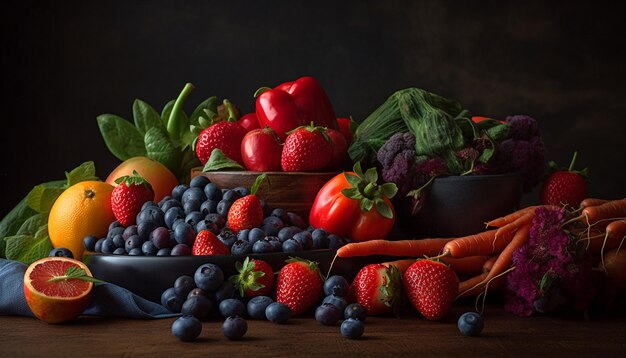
[(504, 335)]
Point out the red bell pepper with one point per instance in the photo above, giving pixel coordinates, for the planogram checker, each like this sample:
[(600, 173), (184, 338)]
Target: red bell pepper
[(353, 205), (294, 104)]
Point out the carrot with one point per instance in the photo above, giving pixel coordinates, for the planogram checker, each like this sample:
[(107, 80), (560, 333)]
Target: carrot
[(617, 229), (509, 229), (489, 263), (612, 238), (483, 243), (401, 265), (470, 265), (505, 259), (477, 285), (501, 221), (610, 210), (410, 248), (465, 287), (592, 202)]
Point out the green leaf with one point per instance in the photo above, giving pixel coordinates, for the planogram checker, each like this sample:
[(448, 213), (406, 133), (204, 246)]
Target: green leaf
[(121, 137), (389, 190), (26, 248), (166, 111), (32, 225), (352, 193), (219, 161), (353, 180), (83, 172), (357, 169), (75, 273), (371, 175), (366, 204), (42, 197), (384, 209), (145, 117), (12, 222), (160, 148), (210, 105)]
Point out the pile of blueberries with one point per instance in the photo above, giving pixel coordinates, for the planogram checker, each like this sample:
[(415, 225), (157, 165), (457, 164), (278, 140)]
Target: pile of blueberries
[(335, 307), (169, 227), (208, 295)]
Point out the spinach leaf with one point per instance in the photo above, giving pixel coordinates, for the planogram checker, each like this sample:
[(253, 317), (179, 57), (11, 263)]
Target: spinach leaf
[(146, 117), (121, 137), (160, 147)]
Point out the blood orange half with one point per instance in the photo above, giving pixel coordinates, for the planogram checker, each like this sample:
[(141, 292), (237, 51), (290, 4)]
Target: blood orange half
[(51, 295)]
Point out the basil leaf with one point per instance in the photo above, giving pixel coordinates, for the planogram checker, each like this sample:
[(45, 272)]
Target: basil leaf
[(160, 148), (219, 161), (84, 172), (12, 222), (121, 137), (145, 117), (26, 248)]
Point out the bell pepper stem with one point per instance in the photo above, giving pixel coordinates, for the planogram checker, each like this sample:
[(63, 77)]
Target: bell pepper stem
[(261, 90), (174, 122)]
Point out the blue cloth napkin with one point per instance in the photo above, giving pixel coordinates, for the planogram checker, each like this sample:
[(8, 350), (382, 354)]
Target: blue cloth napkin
[(107, 300)]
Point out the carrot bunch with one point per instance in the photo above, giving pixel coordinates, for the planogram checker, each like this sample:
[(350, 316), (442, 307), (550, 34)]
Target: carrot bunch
[(488, 256)]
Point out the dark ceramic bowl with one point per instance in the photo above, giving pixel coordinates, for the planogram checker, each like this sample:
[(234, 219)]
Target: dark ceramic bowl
[(149, 276), (460, 205)]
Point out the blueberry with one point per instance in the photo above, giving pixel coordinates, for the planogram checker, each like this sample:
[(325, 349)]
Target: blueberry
[(223, 206), (295, 220), (243, 234), (114, 224), (256, 306), (61, 252), (241, 247), (133, 242), (336, 285), (208, 277), (137, 252), (149, 249), (199, 181), (292, 245), (352, 328), (231, 307), (168, 204), (336, 301), (355, 310), (130, 231), (277, 312), (144, 228), (119, 251), (281, 214), (193, 218), (227, 236), (177, 222), (208, 207), (152, 213), (197, 292), (320, 239), (262, 246), (164, 199), (327, 314), (118, 241), (183, 284), (193, 193), (166, 251), (212, 192), (184, 233), (149, 204), (471, 324), (89, 242), (117, 230), (277, 246), (205, 224), (225, 291), (305, 239), (217, 219), (191, 205), (107, 246), (160, 237), (181, 250), (177, 192), (255, 235), (186, 328), (98, 246), (272, 225), (172, 214), (335, 241), (230, 195), (171, 300), (242, 191), (287, 233), (197, 306), (234, 327)]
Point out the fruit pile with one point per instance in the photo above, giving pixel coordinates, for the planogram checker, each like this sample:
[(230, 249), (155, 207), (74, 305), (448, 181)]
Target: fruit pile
[(202, 219)]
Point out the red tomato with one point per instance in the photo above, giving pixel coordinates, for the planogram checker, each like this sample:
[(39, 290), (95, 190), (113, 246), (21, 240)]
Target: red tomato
[(261, 150), (340, 150), (341, 215), (249, 121)]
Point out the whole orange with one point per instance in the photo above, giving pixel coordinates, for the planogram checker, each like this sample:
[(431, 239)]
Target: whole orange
[(53, 298), (157, 174), (82, 209)]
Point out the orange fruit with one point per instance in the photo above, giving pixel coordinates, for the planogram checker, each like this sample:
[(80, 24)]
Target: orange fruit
[(157, 174), (82, 209), (56, 301)]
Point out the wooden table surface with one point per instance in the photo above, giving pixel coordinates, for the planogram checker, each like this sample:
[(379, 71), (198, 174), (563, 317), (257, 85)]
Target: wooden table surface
[(504, 335)]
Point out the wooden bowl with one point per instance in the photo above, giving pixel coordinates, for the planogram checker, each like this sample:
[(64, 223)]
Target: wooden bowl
[(292, 191)]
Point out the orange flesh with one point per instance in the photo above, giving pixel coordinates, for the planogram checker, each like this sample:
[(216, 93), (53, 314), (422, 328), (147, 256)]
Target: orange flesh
[(63, 288)]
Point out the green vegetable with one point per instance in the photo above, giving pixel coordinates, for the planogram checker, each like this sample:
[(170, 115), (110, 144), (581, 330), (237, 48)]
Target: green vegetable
[(219, 161), (167, 137), (24, 230)]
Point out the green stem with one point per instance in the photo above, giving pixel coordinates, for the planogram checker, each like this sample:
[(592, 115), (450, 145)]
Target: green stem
[(261, 90), (232, 115), (173, 123), (370, 190), (571, 164)]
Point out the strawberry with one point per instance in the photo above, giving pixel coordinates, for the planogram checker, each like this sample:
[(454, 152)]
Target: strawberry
[(207, 244), (306, 149), (128, 197), (247, 212), (299, 285), (255, 278), (377, 288), (224, 135), (431, 287), (340, 151), (565, 186), (347, 127)]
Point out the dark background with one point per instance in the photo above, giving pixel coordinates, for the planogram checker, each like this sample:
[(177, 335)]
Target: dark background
[(65, 62)]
